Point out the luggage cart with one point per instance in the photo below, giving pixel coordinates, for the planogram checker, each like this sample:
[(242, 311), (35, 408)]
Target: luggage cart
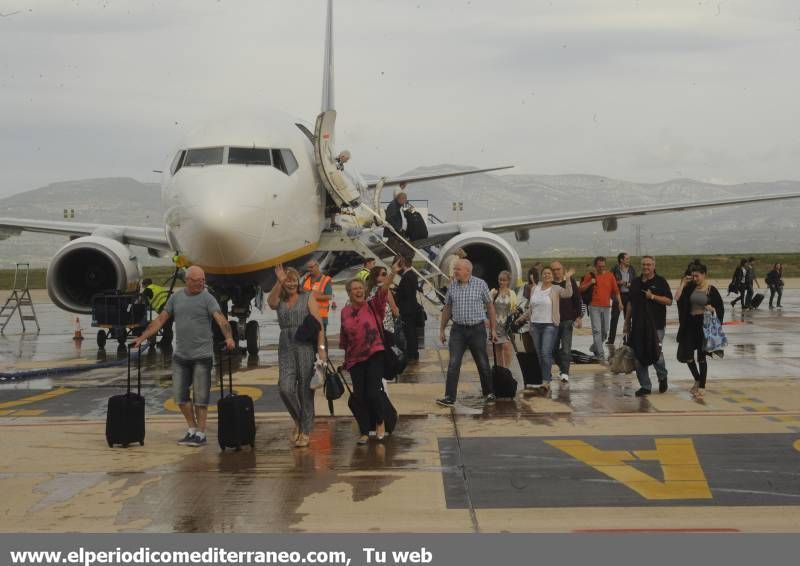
[(118, 316)]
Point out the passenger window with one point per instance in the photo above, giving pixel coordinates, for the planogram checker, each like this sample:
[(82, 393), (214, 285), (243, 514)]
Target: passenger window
[(177, 163), (248, 156), (289, 161), (203, 156)]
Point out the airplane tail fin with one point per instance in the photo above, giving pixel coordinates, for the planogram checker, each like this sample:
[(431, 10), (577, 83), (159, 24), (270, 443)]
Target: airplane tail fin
[(327, 77)]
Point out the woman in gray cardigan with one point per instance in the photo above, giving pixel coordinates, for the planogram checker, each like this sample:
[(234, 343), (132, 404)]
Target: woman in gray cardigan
[(543, 312)]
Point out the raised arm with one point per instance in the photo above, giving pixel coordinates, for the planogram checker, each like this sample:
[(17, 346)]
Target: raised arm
[(313, 310), (274, 297)]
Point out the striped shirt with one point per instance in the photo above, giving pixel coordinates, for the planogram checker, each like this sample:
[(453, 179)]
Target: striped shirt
[(468, 301)]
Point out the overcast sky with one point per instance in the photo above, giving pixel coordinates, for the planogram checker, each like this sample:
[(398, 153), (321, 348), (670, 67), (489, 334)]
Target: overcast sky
[(642, 90)]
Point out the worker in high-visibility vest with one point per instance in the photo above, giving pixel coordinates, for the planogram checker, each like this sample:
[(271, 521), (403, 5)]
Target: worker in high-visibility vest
[(157, 297), (319, 285), (363, 273)]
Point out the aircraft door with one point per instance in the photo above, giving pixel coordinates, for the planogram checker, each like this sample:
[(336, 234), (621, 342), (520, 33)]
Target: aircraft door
[(341, 189)]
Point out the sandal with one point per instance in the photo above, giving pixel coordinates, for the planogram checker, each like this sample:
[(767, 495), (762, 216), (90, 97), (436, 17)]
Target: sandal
[(302, 440), (363, 439)]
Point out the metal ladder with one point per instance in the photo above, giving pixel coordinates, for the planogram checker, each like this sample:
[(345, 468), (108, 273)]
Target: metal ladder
[(337, 241), (19, 299)]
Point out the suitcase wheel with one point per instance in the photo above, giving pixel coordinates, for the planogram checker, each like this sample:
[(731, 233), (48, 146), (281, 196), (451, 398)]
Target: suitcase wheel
[(141, 443)]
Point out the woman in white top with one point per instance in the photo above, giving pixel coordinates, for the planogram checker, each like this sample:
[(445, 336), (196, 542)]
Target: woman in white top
[(544, 314), (505, 303)]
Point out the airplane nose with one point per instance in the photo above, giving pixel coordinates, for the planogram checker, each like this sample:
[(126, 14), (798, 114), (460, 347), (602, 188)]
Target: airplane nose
[(222, 219)]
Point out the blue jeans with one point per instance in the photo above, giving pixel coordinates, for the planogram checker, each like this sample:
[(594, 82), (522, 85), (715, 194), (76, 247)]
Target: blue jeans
[(544, 339), (191, 374), (564, 345), (643, 373), (462, 338), (601, 318)]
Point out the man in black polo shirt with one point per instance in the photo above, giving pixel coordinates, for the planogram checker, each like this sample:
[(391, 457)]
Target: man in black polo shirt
[(645, 320)]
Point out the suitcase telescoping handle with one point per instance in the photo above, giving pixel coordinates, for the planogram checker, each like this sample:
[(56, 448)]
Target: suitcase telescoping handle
[(138, 370), (222, 355)]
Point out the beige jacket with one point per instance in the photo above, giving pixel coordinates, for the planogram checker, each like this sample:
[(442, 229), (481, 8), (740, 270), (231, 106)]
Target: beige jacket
[(556, 293)]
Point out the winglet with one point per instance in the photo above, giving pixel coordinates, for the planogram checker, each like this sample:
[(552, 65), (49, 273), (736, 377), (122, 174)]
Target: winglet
[(327, 77)]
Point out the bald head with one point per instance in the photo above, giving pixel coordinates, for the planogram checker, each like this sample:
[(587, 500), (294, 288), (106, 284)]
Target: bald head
[(195, 280)]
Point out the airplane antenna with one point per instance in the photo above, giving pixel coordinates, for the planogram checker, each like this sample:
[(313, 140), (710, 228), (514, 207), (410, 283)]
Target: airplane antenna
[(327, 78)]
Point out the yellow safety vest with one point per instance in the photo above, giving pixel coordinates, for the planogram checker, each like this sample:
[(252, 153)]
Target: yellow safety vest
[(159, 298)]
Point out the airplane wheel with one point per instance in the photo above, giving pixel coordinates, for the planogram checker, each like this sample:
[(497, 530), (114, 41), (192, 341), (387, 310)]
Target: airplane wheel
[(251, 334), (101, 339)]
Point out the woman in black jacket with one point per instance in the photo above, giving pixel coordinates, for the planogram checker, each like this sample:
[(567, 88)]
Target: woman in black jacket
[(696, 296)]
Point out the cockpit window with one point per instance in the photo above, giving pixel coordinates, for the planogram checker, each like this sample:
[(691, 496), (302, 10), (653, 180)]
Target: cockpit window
[(289, 161), (248, 156), (178, 161), (283, 160), (203, 156)]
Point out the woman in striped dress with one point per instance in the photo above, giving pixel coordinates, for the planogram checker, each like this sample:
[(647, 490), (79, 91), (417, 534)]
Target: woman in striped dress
[(295, 359)]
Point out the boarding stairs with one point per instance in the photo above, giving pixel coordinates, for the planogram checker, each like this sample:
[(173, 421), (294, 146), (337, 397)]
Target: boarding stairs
[(370, 243), (19, 301)]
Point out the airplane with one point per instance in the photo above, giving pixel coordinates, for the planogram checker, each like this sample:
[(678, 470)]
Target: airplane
[(230, 194)]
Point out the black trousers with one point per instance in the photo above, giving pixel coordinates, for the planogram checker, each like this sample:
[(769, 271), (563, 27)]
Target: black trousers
[(410, 332), (367, 386), (612, 331)]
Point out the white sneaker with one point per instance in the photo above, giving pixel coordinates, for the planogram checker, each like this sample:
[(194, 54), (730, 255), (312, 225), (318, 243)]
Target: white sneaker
[(564, 378)]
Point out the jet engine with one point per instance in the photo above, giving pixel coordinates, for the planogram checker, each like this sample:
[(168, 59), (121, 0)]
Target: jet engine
[(490, 254), (610, 224), (87, 266)]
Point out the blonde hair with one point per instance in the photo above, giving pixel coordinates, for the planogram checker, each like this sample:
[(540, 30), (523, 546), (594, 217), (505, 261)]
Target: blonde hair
[(294, 274), (352, 282)]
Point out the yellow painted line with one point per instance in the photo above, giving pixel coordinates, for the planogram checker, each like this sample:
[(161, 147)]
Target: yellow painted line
[(36, 398), (797, 445), (28, 412), (254, 392), (683, 475), (250, 267)]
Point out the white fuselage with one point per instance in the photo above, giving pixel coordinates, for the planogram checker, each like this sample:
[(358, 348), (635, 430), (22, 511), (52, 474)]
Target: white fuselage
[(238, 220)]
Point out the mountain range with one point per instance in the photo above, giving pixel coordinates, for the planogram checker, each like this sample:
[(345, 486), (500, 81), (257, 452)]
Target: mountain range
[(768, 227)]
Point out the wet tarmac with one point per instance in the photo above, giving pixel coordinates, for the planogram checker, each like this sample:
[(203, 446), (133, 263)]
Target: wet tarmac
[(590, 456)]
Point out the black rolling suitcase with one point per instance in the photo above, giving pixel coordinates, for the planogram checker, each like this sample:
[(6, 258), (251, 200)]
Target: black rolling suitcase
[(757, 299), (236, 425), (365, 419), (125, 416), (529, 365), (504, 384)]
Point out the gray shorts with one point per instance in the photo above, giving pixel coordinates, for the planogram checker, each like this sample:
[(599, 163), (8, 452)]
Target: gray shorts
[(194, 374)]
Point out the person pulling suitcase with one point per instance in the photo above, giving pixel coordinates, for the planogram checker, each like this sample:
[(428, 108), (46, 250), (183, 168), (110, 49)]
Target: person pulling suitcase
[(193, 309)]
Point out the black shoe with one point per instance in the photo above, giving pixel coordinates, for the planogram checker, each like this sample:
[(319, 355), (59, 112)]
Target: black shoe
[(642, 392), (445, 402), (663, 386)]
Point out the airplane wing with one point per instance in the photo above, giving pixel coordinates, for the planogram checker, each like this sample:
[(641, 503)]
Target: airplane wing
[(439, 232), (153, 238), (389, 181)]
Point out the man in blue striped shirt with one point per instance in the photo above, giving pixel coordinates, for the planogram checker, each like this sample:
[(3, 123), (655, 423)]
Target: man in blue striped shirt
[(467, 304)]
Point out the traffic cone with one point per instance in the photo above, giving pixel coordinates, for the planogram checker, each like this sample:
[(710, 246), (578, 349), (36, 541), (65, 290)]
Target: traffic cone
[(78, 335)]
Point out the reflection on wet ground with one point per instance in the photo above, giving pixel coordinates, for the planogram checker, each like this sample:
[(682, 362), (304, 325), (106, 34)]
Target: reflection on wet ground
[(475, 467)]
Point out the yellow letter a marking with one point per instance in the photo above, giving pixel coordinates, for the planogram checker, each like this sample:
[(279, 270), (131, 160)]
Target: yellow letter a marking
[(683, 476)]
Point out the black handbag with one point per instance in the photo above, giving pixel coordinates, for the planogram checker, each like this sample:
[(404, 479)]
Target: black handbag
[(308, 331), (334, 382), (394, 360)]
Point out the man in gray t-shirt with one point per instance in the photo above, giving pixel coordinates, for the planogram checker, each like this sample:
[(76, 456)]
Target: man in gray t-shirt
[(193, 309)]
